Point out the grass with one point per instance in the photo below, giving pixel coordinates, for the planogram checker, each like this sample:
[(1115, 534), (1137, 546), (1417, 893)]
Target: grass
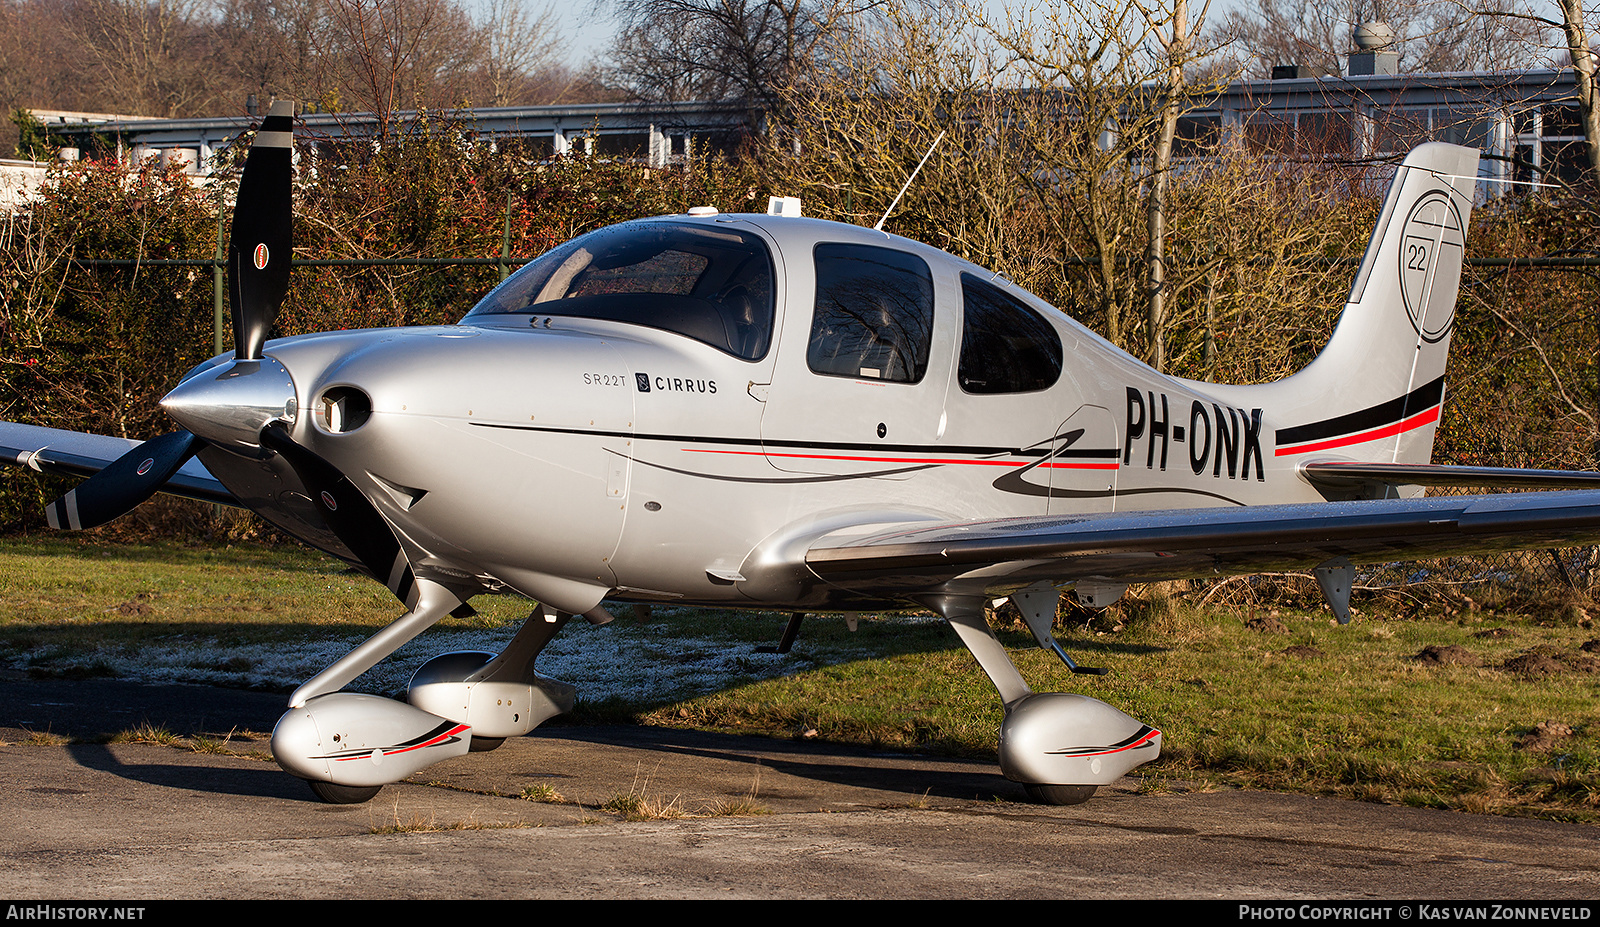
[(1248, 692), (746, 805), (148, 734), (544, 793), (637, 804), (742, 807)]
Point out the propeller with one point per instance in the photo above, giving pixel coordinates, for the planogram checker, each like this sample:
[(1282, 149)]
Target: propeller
[(258, 279), (128, 481), (242, 407), (261, 239), (347, 511)]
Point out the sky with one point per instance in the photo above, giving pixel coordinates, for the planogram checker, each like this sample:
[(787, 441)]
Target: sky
[(589, 31)]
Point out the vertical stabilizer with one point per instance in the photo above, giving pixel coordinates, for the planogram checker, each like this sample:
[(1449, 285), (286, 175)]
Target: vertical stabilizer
[(1374, 393)]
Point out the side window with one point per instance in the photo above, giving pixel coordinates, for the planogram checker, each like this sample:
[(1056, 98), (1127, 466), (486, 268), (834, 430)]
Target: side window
[(874, 313), (1006, 347)]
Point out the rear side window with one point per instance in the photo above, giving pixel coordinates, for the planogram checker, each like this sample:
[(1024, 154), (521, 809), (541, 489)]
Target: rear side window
[(874, 314), (1006, 347)]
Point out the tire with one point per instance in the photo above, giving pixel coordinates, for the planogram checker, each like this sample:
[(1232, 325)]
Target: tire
[(484, 744), (335, 794), (1060, 794)]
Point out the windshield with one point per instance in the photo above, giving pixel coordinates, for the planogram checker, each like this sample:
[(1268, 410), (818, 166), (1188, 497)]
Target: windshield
[(714, 285)]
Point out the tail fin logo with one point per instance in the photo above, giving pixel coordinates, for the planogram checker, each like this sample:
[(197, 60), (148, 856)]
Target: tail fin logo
[(1433, 243)]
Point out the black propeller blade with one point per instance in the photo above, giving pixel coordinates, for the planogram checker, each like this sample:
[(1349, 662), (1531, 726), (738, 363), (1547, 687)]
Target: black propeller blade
[(128, 481), (349, 514), (262, 237)]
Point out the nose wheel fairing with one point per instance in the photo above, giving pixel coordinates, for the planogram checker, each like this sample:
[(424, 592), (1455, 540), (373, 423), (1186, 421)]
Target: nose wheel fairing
[(348, 745), (1053, 738), (352, 739)]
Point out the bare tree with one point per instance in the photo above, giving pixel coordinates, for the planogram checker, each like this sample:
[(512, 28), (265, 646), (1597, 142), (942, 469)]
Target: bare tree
[(1115, 79), (1582, 54), (741, 50), (149, 55), (893, 87), (266, 47), (518, 45), (1575, 49), (399, 54), (199, 57), (1454, 39), (1175, 39)]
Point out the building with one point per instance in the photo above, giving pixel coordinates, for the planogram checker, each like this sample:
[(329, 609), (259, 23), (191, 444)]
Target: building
[(660, 134), (1526, 122)]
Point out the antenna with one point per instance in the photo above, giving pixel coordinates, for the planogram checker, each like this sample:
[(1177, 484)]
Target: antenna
[(907, 184)]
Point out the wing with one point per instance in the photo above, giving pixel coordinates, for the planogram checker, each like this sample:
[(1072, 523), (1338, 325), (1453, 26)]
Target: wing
[(997, 557), (72, 453)]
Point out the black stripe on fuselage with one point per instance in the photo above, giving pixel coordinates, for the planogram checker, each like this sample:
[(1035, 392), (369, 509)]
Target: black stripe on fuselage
[(1040, 450), (1384, 413)]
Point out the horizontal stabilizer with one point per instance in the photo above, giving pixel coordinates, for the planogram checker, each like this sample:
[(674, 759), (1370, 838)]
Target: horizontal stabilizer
[(1347, 473)]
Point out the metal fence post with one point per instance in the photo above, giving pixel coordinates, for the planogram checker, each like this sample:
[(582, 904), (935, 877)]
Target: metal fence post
[(216, 289), (505, 242)]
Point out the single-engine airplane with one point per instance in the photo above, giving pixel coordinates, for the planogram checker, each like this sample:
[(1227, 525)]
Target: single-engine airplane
[(781, 413)]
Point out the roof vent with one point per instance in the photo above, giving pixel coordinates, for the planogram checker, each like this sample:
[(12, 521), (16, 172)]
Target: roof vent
[(1377, 55), (702, 210)]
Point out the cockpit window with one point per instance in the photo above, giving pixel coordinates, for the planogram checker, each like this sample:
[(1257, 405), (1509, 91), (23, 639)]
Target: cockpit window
[(874, 313), (712, 284)]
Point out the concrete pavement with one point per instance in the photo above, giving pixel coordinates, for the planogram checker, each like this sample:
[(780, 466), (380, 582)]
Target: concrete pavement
[(760, 818)]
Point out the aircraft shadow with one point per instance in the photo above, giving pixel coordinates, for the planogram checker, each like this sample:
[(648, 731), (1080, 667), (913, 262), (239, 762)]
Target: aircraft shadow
[(259, 780), (908, 774)]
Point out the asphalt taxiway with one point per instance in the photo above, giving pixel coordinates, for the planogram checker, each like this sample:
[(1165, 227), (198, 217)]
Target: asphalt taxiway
[(733, 817)]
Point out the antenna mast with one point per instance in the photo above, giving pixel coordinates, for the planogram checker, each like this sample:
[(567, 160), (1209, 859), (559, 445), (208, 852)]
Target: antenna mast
[(905, 186)]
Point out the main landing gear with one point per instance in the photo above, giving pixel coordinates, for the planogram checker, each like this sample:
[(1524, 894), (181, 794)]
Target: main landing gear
[(347, 745), (1060, 746)]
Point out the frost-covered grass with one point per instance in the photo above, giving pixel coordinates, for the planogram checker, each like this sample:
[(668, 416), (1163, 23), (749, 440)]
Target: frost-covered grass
[(270, 618), (636, 663)]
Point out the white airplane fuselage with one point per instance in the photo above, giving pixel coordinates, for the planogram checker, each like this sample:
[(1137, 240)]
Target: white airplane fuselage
[(571, 458)]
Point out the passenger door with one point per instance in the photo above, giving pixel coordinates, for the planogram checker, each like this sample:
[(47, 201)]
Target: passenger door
[(858, 388)]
